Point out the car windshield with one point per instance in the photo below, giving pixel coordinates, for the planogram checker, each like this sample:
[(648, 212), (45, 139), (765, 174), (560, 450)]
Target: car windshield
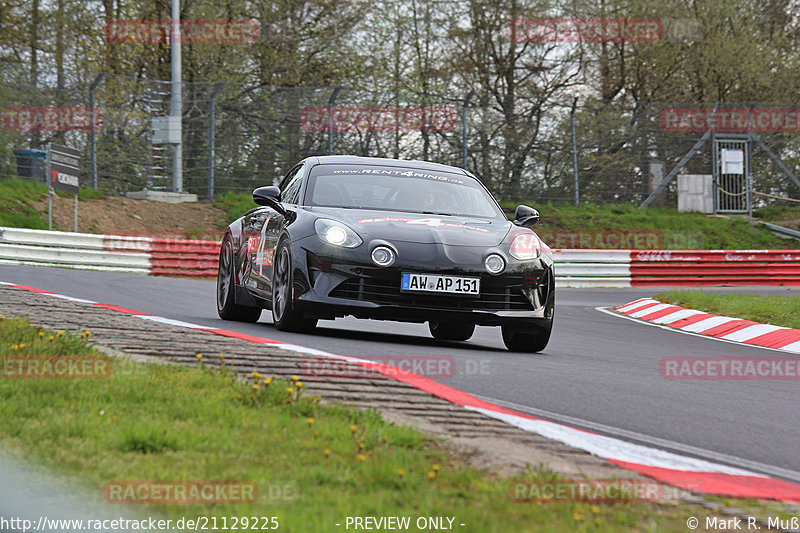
[(389, 188)]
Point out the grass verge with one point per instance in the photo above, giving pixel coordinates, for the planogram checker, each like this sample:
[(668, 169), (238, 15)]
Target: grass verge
[(674, 231), (777, 310), (235, 204), (17, 203), (167, 423)]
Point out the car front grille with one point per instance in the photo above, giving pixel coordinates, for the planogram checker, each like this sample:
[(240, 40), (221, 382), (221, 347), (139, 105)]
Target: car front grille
[(495, 296)]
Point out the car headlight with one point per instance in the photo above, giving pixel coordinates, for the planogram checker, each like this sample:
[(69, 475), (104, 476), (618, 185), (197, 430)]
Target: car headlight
[(336, 233), (525, 246)]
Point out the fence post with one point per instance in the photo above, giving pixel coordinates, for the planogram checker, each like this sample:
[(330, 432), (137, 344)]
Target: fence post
[(332, 99), (574, 151), (92, 139), (211, 117), (464, 128)]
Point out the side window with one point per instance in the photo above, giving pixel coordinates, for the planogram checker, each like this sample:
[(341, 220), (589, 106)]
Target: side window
[(290, 186)]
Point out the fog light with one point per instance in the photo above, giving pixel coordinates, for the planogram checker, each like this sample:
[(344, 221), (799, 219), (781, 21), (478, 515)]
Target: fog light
[(494, 264), (383, 256)]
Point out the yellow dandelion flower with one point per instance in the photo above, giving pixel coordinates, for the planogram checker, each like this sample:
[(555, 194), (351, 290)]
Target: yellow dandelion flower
[(595, 509), (255, 386), (290, 390), (431, 475), (401, 472), (256, 374), (15, 347), (353, 428), (436, 468), (199, 356), (327, 452), (316, 433), (41, 333), (361, 445), (361, 457), (87, 333), (299, 384), (23, 345), (267, 381), (578, 517), (59, 334), (295, 378), (310, 421), (51, 338)]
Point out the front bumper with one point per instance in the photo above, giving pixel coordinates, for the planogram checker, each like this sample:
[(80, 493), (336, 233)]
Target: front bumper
[(331, 282)]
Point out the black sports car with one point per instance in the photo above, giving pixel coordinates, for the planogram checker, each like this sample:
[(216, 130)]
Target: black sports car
[(390, 240)]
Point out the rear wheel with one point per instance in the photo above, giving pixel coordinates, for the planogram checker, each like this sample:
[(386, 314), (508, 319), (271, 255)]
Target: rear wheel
[(227, 309), (284, 316), (451, 331), (529, 341)]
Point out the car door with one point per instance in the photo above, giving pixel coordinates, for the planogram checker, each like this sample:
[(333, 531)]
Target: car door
[(270, 223)]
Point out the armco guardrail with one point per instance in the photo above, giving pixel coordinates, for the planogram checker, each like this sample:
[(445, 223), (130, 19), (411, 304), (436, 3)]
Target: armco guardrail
[(638, 268), (715, 267), (116, 253), (574, 268), (592, 268)]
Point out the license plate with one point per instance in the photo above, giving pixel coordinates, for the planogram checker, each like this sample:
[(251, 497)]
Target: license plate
[(437, 283)]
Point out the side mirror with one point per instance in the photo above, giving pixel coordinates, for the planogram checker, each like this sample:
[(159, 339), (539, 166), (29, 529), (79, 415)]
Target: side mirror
[(267, 195), (525, 216), (270, 197)]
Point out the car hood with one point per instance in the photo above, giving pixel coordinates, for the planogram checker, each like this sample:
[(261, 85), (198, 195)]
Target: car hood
[(419, 228)]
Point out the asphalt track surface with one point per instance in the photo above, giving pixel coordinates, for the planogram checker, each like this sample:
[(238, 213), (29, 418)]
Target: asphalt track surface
[(599, 372)]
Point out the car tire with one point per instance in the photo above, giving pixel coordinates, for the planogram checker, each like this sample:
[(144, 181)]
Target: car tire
[(284, 316), (444, 330), (227, 308), (517, 340)]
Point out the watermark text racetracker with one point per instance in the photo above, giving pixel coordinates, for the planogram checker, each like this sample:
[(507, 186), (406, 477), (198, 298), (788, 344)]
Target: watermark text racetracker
[(191, 31), (50, 119), (55, 367), (730, 368), (191, 492), (430, 366), (622, 239), (593, 491), (350, 119), (592, 30), (732, 120)]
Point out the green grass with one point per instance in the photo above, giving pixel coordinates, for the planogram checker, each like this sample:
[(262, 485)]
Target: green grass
[(674, 231), (777, 213), (777, 310), (17, 199), (168, 423), (235, 204)]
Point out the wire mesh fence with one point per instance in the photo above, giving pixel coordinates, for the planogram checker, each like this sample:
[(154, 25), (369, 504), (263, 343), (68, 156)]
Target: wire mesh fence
[(521, 147)]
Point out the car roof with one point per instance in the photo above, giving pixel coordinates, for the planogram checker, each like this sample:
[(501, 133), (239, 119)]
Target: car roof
[(360, 160)]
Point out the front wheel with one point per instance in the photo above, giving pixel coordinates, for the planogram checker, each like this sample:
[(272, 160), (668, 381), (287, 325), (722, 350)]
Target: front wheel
[(284, 316), (528, 341), (451, 331), (227, 309)]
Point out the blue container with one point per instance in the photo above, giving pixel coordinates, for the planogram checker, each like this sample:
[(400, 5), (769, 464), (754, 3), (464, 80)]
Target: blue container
[(31, 164)]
